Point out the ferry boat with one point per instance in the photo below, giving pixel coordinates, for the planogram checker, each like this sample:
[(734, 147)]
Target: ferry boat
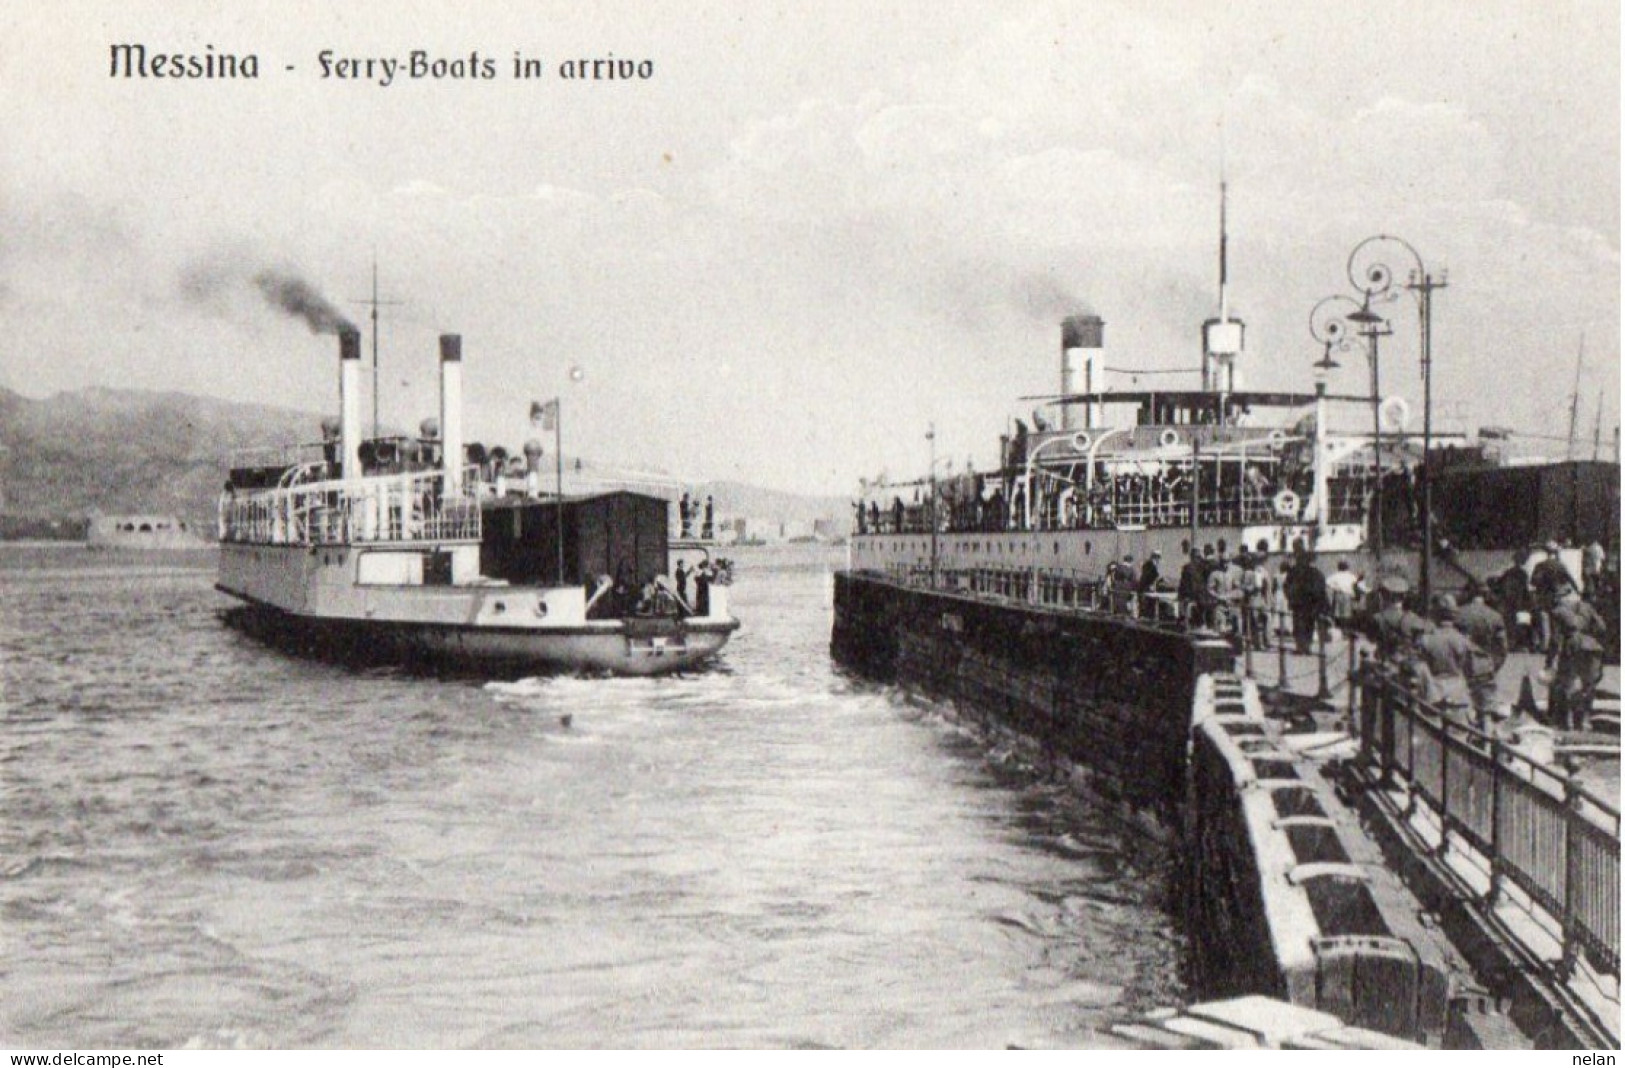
[(423, 549), (1114, 478), (1125, 475)]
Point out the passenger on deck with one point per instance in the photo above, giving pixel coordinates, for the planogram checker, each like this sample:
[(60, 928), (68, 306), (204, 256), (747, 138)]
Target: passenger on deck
[(682, 581), (709, 530), (702, 589), (685, 511)]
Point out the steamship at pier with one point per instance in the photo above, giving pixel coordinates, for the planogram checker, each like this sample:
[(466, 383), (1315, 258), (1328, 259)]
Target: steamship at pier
[(1185, 467), (1114, 476), (422, 549)]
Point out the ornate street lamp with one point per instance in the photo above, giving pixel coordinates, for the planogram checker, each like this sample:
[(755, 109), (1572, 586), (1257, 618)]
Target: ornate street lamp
[(1371, 274)]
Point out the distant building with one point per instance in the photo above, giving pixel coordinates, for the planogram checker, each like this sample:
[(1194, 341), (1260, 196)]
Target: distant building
[(140, 532)]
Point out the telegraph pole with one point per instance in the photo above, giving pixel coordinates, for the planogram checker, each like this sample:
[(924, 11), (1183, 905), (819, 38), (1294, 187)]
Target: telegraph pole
[(1424, 287)]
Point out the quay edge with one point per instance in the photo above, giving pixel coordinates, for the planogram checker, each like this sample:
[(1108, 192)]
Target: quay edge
[(1281, 875)]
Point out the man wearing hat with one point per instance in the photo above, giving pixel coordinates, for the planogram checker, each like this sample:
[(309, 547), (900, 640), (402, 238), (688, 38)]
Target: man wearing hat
[(1451, 659), (1579, 632), (1483, 625), (1151, 572), (1548, 582), (1390, 626)]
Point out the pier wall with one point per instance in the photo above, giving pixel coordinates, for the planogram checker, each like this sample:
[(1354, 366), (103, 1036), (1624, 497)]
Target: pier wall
[(1109, 695), (1286, 896)]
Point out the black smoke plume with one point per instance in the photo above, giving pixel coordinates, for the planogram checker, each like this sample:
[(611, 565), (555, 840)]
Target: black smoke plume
[(300, 299), (216, 282)]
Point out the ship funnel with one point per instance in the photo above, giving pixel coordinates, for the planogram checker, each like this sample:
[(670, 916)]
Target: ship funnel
[(1082, 342), (451, 412), (350, 403)]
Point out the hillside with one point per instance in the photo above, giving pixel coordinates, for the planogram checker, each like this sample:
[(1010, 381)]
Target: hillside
[(113, 450)]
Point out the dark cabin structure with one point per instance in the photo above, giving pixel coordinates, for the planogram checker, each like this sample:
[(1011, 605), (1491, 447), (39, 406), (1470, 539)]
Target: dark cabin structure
[(619, 534), (1508, 507)]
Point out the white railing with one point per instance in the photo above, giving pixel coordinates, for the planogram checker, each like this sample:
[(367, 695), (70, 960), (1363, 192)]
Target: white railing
[(407, 507)]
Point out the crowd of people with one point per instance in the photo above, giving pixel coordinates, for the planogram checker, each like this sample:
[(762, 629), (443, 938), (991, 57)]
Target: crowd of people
[(662, 595), (1453, 648)]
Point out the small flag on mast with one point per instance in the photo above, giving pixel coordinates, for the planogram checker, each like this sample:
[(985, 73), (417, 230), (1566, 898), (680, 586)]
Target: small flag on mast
[(545, 416)]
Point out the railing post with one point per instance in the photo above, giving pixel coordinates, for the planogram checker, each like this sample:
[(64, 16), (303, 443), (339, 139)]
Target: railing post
[(1354, 725), (1408, 699), (1571, 883), (1496, 865), (1280, 645), (1325, 691), (1444, 784)]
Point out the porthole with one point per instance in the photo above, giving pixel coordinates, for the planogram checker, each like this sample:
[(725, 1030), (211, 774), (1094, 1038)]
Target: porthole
[(499, 608)]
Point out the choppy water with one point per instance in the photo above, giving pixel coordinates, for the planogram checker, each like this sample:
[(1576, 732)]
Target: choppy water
[(205, 841)]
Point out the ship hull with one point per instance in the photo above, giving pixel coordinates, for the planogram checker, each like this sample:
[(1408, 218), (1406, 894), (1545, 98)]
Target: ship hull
[(620, 647)]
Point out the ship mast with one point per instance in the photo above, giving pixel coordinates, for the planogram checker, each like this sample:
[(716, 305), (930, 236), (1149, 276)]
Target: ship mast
[(1574, 401), (1222, 338), (374, 303)]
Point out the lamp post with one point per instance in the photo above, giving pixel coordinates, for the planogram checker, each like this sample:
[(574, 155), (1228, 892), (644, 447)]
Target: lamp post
[(1374, 328), (1370, 273), (1329, 325)]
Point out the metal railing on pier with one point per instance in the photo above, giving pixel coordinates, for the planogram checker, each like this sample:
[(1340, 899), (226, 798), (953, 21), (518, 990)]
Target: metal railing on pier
[(1538, 829)]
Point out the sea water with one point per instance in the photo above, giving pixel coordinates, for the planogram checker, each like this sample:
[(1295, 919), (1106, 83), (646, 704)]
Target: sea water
[(208, 842)]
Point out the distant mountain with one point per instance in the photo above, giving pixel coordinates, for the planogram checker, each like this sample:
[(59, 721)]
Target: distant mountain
[(114, 450)]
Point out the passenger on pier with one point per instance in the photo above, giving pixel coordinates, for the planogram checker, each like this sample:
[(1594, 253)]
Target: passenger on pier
[(1192, 592), (1452, 662), (1340, 589), (1224, 586), (1483, 625), (896, 515), (1580, 633), (1123, 586), (1549, 583), (1254, 585), (1511, 589), (1306, 599), (1151, 573)]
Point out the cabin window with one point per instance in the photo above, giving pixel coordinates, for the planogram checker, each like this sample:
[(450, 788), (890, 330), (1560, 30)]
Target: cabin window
[(146, 528), (1087, 548)]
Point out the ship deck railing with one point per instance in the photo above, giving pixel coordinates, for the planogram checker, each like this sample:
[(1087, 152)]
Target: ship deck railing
[(411, 507), (1064, 589)]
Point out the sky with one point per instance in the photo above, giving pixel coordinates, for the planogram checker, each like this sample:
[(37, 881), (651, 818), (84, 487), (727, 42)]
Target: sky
[(817, 229)]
